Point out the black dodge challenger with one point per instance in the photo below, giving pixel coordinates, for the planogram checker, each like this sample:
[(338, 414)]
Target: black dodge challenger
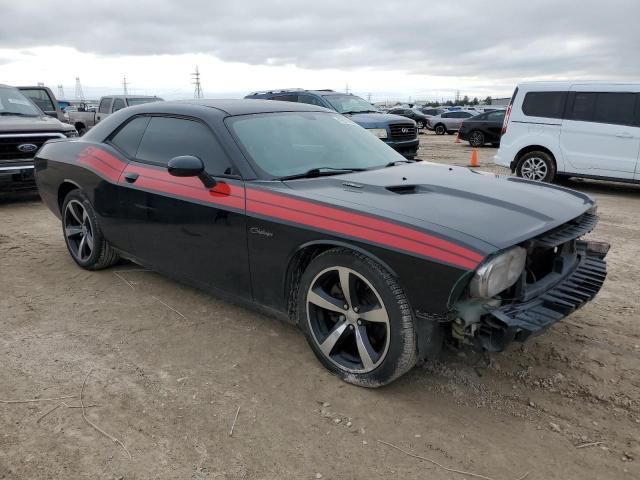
[(300, 212)]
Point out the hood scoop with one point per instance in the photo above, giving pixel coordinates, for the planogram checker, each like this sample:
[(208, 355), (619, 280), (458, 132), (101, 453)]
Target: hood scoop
[(406, 189)]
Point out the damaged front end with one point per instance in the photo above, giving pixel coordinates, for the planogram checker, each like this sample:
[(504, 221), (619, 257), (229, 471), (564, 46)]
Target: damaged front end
[(556, 274)]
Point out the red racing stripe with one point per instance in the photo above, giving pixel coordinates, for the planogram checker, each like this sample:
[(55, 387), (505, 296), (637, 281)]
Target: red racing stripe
[(363, 233), (363, 221)]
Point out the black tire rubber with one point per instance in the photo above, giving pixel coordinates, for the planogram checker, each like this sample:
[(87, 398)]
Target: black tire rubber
[(103, 254), (440, 129), (450, 132), (476, 144), (81, 129), (548, 160), (402, 352)]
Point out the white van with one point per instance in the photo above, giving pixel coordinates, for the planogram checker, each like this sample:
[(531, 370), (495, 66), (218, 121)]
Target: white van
[(572, 129)]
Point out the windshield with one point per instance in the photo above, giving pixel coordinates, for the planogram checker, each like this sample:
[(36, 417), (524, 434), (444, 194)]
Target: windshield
[(140, 101), (349, 104), (291, 143), (13, 102)]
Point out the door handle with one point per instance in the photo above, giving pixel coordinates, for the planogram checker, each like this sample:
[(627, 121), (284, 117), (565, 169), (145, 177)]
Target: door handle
[(624, 135), (131, 177)]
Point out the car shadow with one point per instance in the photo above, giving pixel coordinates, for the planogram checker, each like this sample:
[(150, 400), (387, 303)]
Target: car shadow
[(23, 196)]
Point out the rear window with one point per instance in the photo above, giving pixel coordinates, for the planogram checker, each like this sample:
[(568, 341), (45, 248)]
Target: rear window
[(544, 104)]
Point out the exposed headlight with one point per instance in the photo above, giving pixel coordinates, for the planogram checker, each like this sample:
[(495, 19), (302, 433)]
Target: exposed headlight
[(71, 133), (378, 132), (593, 210), (499, 273)]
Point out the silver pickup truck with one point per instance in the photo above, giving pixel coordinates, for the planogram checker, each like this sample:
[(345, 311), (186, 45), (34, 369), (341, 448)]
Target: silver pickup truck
[(83, 118)]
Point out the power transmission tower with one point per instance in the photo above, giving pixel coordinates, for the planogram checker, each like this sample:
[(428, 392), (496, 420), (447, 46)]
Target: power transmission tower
[(124, 86), (79, 92), (346, 89), (197, 93), (61, 91), (369, 97), (457, 96)]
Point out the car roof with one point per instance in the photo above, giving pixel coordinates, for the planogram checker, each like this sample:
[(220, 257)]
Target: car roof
[(130, 96), (232, 106), (566, 85)]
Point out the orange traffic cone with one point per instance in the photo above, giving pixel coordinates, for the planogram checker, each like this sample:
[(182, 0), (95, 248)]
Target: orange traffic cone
[(473, 162), (457, 138)]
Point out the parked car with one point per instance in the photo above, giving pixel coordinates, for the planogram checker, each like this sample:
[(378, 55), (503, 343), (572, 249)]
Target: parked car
[(46, 101), (84, 117), (573, 129), (415, 115), (23, 130), (483, 128), (430, 112), (398, 132), (298, 211), (448, 122)]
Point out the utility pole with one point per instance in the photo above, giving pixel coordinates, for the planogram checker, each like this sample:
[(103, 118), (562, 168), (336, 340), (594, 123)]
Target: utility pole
[(197, 93), (125, 84), (61, 91), (79, 92)]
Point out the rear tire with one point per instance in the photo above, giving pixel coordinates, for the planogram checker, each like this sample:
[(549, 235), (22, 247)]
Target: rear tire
[(366, 337), (83, 237), (537, 166), (476, 139)]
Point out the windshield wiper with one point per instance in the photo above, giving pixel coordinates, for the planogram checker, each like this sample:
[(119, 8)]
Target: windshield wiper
[(395, 162), (353, 112), (320, 172), (17, 114)]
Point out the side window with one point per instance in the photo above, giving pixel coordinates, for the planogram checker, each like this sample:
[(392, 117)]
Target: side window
[(544, 104), (105, 104), (446, 115), (615, 108), (310, 99), (497, 116), (583, 106), (118, 104), (285, 98), (128, 137), (168, 137)]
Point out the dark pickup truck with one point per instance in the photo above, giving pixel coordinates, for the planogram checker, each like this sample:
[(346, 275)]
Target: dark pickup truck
[(24, 128)]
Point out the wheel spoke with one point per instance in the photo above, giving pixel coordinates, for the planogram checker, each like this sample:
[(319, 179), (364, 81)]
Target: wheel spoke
[(333, 337), (376, 315), (83, 242), (74, 214), (323, 300), (365, 350), (73, 230), (345, 284), (89, 238)]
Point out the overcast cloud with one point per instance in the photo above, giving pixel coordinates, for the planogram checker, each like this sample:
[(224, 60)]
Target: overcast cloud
[(482, 41)]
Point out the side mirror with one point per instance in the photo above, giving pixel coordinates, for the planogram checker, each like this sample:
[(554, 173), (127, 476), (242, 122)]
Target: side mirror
[(51, 113), (190, 166)]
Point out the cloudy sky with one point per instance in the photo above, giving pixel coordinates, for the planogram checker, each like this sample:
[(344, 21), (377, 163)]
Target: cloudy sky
[(389, 49)]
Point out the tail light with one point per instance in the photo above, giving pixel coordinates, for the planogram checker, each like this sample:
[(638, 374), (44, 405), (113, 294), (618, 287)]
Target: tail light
[(506, 120)]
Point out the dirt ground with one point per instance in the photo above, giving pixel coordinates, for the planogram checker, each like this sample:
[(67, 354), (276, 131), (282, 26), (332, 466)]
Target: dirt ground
[(168, 385)]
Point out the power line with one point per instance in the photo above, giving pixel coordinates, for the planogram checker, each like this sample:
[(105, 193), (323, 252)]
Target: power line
[(197, 93)]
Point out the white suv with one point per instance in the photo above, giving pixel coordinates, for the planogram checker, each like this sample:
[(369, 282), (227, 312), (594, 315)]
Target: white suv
[(572, 129)]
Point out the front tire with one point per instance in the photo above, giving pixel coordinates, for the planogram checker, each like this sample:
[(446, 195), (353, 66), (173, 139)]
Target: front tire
[(356, 318), (537, 166), (440, 129), (82, 234)]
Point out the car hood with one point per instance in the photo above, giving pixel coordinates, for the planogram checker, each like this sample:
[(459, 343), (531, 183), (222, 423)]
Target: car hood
[(487, 211), (377, 120), (44, 123)]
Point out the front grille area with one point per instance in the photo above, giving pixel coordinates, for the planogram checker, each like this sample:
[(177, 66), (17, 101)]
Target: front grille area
[(576, 228), (9, 145), (403, 131)]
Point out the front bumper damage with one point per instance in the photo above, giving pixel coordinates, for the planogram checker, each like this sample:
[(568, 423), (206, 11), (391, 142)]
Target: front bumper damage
[(519, 321), (576, 274)]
